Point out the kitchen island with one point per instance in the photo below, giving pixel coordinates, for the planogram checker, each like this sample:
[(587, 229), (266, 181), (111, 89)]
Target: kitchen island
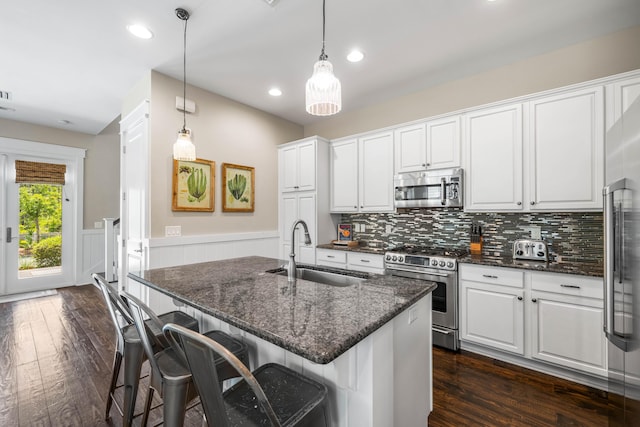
[(370, 342)]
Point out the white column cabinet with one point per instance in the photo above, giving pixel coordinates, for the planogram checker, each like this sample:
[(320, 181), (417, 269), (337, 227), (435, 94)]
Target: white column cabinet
[(566, 149), (431, 145), (362, 174), (297, 164), (493, 140), (619, 96), (304, 163), (548, 317)]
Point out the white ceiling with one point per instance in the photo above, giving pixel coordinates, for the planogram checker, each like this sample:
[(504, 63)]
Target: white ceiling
[(74, 60)]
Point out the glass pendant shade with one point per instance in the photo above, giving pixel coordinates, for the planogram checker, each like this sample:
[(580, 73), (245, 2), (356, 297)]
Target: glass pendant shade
[(183, 148), (323, 91)]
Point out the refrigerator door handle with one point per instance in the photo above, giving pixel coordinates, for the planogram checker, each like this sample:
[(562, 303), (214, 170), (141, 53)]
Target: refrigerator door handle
[(612, 238)]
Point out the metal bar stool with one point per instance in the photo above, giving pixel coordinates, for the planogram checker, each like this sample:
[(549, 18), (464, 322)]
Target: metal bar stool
[(129, 348), (273, 394), (170, 376)]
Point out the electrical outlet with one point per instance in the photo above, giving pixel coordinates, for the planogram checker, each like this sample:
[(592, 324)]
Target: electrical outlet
[(535, 232), (388, 229), (172, 231), (362, 228)]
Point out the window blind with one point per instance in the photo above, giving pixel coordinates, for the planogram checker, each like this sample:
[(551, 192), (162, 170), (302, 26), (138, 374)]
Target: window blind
[(39, 173)]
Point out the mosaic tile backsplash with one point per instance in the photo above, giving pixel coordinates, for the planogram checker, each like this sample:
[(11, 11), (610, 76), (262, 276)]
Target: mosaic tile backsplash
[(571, 236)]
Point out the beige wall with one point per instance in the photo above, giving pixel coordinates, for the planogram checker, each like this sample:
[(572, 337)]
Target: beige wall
[(223, 131), (615, 53), (101, 165)]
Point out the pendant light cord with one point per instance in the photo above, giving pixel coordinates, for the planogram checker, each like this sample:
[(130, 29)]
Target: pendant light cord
[(184, 78), (323, 56)]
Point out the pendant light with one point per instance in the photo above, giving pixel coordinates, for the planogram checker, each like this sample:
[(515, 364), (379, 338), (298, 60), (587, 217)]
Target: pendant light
[(183, 148), (323, 91)]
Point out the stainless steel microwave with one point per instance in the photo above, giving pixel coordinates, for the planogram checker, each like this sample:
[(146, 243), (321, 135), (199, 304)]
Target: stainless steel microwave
[(432, 189)]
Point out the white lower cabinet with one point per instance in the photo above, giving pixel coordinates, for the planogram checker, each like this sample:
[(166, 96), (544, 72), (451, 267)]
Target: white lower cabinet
[(550, 317), (566, 322), (357, 261), (492, 308)]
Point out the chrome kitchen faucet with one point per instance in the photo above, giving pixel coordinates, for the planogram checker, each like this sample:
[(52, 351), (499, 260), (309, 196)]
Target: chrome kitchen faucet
[(291, 270)]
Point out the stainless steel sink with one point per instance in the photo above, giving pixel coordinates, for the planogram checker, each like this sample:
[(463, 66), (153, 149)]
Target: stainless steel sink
[(320, 276)]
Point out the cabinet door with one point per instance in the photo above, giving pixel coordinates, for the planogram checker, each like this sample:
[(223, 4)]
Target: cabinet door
[(306, 166), (566, 144), (567, 330), (410, 147), (443, 143), (294, 206), (376, 172), (492, 315), (620, 96), (288, 160), (344, 176), (493, 141)]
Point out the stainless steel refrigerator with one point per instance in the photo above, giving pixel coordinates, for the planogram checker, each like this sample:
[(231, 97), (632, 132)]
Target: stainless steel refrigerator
[(622, 266)]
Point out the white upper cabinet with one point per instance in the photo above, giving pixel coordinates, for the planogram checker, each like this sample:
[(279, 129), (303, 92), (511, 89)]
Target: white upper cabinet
[(493, 170), (620, 95), (566, 149), (431, 145), (343, 162), (298, 166), (375, 154), (362, 174), (542, 155)]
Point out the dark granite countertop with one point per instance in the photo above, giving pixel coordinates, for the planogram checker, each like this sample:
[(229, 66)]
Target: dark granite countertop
[(316, 321), (594, 269), (359, 248)]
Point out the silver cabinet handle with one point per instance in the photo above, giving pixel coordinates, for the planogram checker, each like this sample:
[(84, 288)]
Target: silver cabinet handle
[(428, 164), (138, 250), (365, 260), (519, 203), (519, 298), (489, 276), (424, 165), (569, 286), (330, 256), (533, 203), (534, 300), (442, 331), (443, 191), (355, 207)]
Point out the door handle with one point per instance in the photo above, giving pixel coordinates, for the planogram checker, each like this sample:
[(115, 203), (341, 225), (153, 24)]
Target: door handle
[(9, 238)]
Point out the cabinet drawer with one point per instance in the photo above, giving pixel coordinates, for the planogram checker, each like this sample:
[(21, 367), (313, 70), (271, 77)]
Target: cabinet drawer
[(493, 275), (329, 255), (582, 286), (365, 260)]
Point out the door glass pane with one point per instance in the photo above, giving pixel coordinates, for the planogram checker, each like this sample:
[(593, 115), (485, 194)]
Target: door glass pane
[(40, 249)]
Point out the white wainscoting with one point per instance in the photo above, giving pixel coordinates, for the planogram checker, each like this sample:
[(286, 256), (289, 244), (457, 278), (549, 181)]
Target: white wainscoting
[(171, 251), (90, 255)]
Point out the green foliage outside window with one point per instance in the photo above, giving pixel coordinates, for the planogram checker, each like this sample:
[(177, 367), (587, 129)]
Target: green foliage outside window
[(48, 252)]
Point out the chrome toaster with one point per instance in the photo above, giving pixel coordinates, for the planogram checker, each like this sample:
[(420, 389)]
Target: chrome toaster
[(534, 250)]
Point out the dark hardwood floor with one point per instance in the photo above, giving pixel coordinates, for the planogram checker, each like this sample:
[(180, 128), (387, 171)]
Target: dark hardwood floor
[(56, 354)]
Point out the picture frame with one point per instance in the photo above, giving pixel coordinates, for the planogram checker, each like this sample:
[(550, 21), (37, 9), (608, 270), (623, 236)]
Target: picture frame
[(238, 188), (193, 185)]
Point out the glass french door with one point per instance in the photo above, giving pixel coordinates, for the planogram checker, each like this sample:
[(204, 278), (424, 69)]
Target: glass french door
[(37, 235)]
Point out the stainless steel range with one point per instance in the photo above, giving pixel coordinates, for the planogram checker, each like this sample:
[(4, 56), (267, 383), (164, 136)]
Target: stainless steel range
[(436, 265)]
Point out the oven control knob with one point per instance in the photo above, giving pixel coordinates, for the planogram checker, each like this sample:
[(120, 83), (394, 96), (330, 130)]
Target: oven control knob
[(450, 264), (442, 263), (519, 252), (400, 259), (434, 262), (540, 254), (395, 258), (388, 257)]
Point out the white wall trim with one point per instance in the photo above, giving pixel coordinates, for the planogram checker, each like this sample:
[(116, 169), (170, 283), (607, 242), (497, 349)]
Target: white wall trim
[(211, 238), (38, 149), (91, 254)]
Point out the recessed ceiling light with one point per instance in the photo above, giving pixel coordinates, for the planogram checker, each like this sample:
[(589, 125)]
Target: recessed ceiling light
[(355, 56), (140, 31), (274, 91)]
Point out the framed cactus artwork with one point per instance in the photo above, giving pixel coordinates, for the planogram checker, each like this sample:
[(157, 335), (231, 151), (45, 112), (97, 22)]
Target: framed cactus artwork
[(193, 185), (238, 188)]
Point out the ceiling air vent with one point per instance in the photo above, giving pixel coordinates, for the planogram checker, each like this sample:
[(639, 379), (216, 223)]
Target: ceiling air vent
[(5, 96)]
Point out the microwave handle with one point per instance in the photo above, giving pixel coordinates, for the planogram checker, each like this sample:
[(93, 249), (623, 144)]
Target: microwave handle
[(443, 191)]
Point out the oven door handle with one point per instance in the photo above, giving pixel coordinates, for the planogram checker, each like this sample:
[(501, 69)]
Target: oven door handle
[(442, 331)]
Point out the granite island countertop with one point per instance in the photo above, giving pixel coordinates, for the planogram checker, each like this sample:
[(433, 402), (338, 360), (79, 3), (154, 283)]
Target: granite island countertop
[(593, 269), (316, 321)]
